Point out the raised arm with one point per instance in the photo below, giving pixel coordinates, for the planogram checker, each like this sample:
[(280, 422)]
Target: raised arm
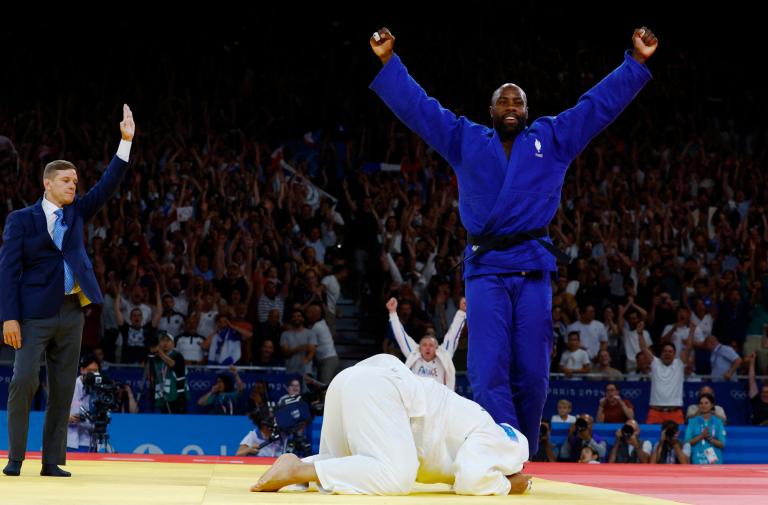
[(157, 310), (452, 336), (118, 299), (641, 340), (109, 182), (404, 341), (439, 127), (601, 105), (752, 382)]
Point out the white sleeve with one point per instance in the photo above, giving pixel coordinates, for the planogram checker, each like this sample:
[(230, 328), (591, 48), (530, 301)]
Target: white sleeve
[(406, 343), (74, 408), (452, 336), (251, 439), (603, 333), (393, 270), (124, 150)]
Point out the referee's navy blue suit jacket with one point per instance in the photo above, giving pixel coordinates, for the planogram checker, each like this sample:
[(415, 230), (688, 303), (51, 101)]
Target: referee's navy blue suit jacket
[(31, 266)]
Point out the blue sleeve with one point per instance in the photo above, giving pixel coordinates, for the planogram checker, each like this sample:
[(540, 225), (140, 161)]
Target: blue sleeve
[(439, 127), (730, 353), (10, 268), (690, 430), (720, 430), (597, 108), (102, 190)]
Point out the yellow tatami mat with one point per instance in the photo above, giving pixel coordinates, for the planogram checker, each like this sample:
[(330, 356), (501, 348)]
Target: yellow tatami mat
[(118, 482)]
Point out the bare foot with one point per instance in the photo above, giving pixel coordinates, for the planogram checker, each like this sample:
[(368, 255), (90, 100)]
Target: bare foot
[(521, 483), (282, 473)]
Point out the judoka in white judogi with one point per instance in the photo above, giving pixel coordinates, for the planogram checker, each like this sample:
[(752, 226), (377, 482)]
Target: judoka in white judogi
[(385, 429)]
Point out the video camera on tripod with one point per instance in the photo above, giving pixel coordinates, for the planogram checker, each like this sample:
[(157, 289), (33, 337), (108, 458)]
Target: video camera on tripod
[(289, 417), (103, 394)]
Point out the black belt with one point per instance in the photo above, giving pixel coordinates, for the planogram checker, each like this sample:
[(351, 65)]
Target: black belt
[(665, 409), (530, 274), (481, 244)]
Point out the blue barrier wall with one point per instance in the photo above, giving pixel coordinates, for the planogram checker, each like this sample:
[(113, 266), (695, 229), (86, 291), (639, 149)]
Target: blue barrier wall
[(585, 396), (163, 434), (744, 444), (221, 435)]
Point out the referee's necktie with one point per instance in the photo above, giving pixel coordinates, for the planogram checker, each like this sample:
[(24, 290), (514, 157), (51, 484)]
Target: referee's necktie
[(59, 228)]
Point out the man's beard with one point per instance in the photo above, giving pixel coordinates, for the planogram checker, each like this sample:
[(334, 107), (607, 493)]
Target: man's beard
[(509, 132)]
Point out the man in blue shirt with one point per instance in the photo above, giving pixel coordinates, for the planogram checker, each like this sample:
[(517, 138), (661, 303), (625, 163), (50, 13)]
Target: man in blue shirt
[(510, 177), (723, 359)]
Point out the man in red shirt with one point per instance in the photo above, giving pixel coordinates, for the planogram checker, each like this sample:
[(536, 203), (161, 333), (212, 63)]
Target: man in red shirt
[(613, 408)]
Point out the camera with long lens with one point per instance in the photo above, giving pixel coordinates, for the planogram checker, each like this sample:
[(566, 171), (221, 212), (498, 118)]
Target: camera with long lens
[(580, 425), (103, 393), (627, 432), (669, 434)]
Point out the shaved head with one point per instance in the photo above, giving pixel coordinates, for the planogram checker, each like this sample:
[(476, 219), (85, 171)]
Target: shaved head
[(500, 89)]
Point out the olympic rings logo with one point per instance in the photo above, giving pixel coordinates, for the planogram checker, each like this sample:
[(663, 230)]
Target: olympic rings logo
[(738, 394), (632, 394), (199, 385)]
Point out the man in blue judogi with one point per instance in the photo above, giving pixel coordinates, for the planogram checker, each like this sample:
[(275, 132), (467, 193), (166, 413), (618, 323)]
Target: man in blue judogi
[(510, 177)]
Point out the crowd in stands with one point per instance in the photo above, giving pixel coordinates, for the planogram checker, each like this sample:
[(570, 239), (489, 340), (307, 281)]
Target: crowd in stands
[(251, 205)]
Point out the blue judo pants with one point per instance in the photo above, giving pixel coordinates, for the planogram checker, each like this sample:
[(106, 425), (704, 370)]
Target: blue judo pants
[(510, 342)]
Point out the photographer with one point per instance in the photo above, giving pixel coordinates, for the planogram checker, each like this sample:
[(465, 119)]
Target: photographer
[(546, 450), (580, 436), (79, 431), (126, 402), (629, 448), (668, 449), (251, 445), (222, 397), (168, 373)]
